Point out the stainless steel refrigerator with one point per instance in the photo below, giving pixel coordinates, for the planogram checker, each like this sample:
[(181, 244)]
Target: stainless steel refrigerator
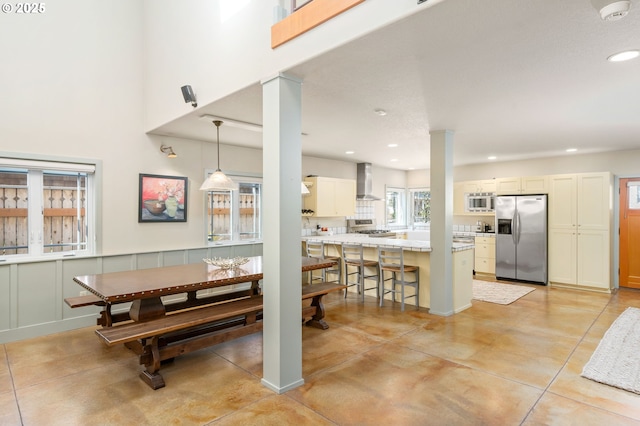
[(521, 238)]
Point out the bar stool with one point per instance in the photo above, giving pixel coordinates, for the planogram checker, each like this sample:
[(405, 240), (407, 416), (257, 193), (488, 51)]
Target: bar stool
[(391, 259), (352, 255), (316, 249)]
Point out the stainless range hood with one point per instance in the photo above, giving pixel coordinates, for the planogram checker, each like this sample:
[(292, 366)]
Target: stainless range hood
[(364, 183)]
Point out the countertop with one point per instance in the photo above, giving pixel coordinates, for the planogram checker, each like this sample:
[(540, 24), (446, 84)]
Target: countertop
[(366, 241)]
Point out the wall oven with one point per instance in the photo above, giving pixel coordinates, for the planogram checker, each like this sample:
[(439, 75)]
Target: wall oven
[(479, 202)]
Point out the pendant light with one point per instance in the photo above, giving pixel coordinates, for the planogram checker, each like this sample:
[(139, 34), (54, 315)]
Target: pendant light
[(218, 180)]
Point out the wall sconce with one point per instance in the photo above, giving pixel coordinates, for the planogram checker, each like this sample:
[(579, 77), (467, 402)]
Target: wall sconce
[(168, 150), (188, 95)]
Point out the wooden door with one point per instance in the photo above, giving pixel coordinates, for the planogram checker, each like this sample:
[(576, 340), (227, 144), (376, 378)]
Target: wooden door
[(630, 232)]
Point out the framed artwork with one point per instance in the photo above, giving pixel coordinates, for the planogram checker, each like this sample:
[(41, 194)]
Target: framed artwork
[(162, 198)]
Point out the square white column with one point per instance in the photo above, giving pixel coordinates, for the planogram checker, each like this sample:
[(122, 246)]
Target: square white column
[(441, 285), (282, 171)]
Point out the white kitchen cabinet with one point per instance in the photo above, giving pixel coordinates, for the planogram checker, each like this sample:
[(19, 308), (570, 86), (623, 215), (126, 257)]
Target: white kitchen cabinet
[(508, 186), (330, 197), (475, 186), (534, 185), (522, 185), (579, 230), (458, 198), (485, 255), (470, 187)]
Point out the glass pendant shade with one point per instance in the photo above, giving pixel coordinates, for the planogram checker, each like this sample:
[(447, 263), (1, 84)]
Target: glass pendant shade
[(218, 180)]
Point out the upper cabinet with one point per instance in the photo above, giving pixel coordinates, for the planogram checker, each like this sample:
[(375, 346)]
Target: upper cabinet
[(476, 186), (330, 197), (460, 189), (522, 185)]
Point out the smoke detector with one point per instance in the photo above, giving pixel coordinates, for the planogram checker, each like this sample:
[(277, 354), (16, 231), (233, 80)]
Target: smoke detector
[(612, 10)]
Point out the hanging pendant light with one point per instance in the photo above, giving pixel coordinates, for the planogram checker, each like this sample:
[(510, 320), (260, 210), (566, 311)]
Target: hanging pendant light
[(218, 180)]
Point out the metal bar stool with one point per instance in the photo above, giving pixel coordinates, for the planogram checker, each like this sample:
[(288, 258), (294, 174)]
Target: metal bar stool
[(352, 255), (316, 249), (391, 259)]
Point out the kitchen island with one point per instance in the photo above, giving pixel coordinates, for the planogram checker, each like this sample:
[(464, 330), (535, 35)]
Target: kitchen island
[(416, 252)]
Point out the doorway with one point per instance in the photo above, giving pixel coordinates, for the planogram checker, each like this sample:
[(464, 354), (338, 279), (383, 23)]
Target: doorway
[(629, 219)]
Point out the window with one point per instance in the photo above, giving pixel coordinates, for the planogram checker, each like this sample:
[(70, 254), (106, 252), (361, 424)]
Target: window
[(235, 215), (396, 207), (45, 207), (297, 4), (420, 207)]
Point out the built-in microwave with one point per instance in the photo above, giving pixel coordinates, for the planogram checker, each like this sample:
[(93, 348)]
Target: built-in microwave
[(480, 202)]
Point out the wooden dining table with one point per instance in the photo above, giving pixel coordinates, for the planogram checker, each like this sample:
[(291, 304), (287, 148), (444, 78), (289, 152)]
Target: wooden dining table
[(145, 287)]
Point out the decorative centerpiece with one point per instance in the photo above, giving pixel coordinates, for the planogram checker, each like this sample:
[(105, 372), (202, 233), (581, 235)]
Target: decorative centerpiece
[(227, 263)]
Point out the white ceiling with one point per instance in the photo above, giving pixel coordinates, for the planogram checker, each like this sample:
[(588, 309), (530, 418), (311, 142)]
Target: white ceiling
[(515, 79)]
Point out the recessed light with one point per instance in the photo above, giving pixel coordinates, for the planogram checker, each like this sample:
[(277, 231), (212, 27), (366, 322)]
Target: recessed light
[(572, 149), (491, 157), (380, 112), (394, 159), (624, 56), (392, 145), (349, 152)]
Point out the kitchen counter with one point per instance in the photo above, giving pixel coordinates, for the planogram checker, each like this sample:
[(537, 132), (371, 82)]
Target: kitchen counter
[(418, 253), (366, 241)]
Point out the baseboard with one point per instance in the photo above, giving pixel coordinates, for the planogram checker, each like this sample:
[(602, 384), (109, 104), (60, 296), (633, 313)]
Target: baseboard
[(37, 330), (580, 287), (282, 389)]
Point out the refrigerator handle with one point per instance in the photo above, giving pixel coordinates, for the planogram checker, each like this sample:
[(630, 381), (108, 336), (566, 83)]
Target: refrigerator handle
[(517, 228), (514, 230)]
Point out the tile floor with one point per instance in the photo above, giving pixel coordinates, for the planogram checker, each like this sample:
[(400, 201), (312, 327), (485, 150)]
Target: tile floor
[(492, 364)]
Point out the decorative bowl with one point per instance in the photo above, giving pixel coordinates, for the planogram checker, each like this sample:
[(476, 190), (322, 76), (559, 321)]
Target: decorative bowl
[(227, 263), (155, 207)]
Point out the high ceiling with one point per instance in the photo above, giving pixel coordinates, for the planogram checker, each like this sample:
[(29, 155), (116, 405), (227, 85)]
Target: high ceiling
[(514, 79)]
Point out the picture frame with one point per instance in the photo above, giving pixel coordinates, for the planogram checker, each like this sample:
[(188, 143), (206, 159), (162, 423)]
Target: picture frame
[(162, 198)]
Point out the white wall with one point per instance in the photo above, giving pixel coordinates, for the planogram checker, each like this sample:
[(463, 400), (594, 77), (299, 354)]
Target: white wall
[(191, 42), (71, 84), (620, 163)]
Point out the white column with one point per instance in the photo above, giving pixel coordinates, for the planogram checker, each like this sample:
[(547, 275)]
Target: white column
[(441, 286), (282, 171)]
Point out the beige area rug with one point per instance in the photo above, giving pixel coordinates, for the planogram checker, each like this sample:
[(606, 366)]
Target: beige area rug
[(616, 360), (500, 293)]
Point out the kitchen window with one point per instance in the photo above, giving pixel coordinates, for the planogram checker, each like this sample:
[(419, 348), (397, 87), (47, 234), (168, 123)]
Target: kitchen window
[(235, 215), (420, 207), (46, 208), (396, 207)]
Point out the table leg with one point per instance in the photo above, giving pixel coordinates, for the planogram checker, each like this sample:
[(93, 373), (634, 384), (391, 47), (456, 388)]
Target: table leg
[(255, 287), (147, 309)]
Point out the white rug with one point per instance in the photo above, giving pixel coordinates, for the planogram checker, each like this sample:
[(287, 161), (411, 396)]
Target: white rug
[(500, 293), (616, 360)]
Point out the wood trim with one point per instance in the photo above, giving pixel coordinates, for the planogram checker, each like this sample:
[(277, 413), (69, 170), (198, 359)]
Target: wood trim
[(13, 212), (219, 211), (308, 17), (62, 212), (47, 212)]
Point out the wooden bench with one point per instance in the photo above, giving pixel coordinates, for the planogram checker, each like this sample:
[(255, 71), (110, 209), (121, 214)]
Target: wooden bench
[(107, 318), (316, 292), (87, 300), (165, 338)]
